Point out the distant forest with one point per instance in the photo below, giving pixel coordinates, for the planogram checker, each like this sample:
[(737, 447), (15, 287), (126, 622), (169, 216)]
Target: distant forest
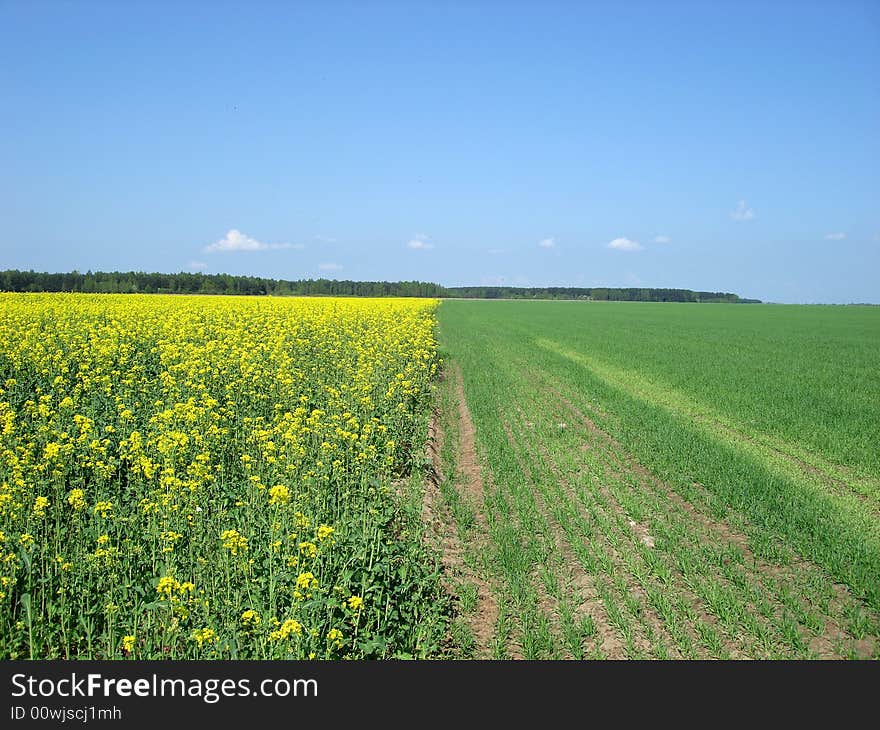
[(131, 282)]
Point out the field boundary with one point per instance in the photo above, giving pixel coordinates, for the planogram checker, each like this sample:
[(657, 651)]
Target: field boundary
[(452, 434)]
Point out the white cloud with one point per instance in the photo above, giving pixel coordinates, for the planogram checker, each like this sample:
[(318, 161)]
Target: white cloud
[(419, 241), (197, 265), (662, 239), (235, 240), (330, 267), (547, 242), (624, 244), (835, 236), (742, 212)]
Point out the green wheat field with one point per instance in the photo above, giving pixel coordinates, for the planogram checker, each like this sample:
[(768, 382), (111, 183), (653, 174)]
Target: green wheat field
[(662, 480)]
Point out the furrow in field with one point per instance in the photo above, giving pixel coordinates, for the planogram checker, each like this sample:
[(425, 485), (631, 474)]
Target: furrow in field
[(764, 590), (670, 566), (521, 625), (557, 491), (534, 629), (621, 546), (775, 453), (718, 578), (580, 586), (442, 528)]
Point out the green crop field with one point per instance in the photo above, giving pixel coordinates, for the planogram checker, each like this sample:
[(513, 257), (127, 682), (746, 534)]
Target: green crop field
[(660, 480)]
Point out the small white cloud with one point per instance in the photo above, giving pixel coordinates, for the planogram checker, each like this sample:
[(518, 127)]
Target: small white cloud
[(662, 239), (420, 241), (197, 265), (235, 240), (624, 244), (835, 236), (742, 212), (547, 242), (330, 267)]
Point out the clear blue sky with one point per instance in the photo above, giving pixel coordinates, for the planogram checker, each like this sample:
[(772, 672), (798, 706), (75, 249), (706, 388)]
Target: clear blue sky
[(711, 145)]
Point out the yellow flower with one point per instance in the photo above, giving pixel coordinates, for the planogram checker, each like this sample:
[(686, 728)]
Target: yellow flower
[(250, 619), (148, 506), (306, 581), (279, 494), (203, 636), (128, 642), (103, 539), (334, 636), (355, 603), (308, 549), (290, 626), (170, 538), (301, 521), (77, 500), (103, 508), (166, 585), (40, 504), (324, 531), (234, 541), (26, 539)]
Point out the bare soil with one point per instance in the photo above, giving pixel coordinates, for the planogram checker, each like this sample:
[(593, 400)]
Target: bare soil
[(442, 529)]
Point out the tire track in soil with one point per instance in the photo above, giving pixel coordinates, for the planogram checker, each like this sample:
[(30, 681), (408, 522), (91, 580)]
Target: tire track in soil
[(837, 478), (546, 603), (636, 534), (832, 632), (441, 527), (608, 640), (648, 615)]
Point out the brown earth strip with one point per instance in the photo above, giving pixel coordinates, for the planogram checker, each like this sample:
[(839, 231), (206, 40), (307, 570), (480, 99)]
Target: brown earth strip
[(442, 530), (467, 463)]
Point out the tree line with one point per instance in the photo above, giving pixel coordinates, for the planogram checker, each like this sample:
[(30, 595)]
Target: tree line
[(616, 294), (131, 282)]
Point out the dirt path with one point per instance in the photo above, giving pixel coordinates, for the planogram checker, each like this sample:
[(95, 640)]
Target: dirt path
[(652, 571), (442, 529)]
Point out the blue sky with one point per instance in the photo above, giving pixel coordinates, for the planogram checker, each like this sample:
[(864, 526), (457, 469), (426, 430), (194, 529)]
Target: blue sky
[(709, 145)]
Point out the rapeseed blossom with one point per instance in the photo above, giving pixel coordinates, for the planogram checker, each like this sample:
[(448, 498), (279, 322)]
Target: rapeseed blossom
[(214, 457)]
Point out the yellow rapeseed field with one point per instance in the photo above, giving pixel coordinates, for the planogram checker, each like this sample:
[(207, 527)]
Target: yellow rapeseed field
[(197, 477)]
